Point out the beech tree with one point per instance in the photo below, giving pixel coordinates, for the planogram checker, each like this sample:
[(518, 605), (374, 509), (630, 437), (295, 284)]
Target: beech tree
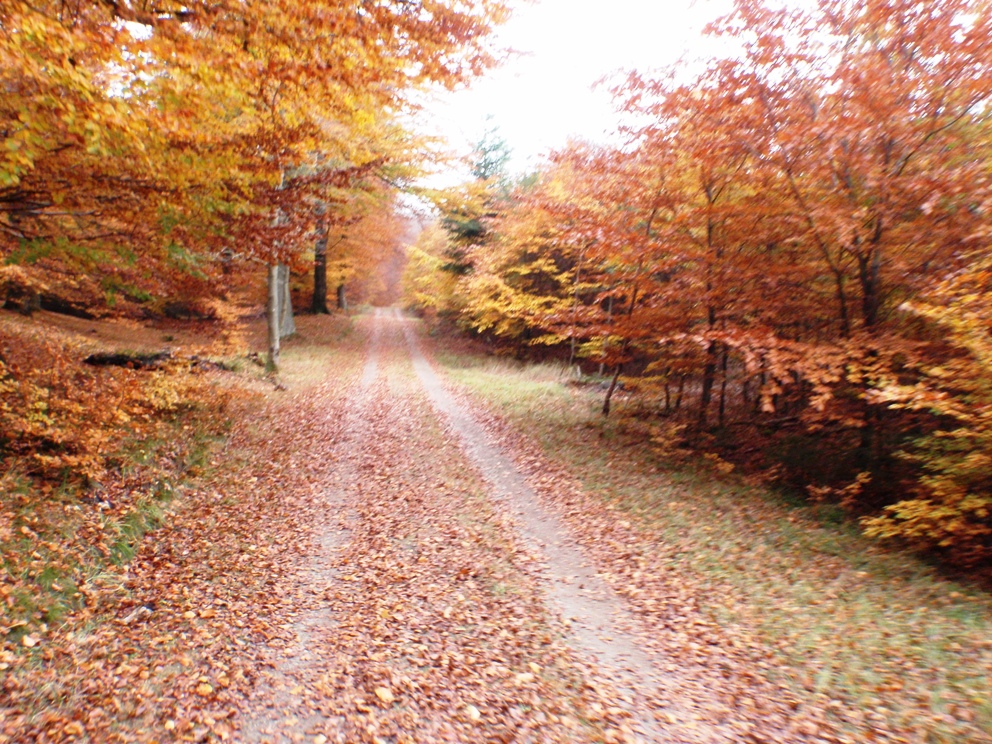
[(195, 134)]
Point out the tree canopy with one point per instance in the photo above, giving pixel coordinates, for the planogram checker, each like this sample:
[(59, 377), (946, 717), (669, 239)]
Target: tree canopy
[(149, 143), (789, 249)]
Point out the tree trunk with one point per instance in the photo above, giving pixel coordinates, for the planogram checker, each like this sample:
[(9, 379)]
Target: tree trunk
[(30, 304), (575, 309), (342, 298), (845, 319), (226, 261), (869, 271), (609, 392), (709, 377), (319, 303), (709, 371), (272, 316), (723, 385), (287, 325), (606, 339), (132, 360), (762, 381)]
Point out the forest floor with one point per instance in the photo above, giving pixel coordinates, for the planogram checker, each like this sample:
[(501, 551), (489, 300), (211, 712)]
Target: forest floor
[(416, 544)]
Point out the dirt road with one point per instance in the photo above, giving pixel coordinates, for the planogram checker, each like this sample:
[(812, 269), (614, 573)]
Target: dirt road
[(443, 601)]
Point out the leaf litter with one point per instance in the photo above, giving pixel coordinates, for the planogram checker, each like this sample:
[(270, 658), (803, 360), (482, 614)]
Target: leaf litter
[(344, 575), (433, 623)]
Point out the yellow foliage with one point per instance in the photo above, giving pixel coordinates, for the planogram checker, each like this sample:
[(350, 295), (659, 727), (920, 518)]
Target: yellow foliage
[(952, 509), (427, 286)]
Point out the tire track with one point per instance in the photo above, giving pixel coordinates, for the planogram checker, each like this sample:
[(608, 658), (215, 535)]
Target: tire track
[(423, 621), (282, 707), (598, 621)]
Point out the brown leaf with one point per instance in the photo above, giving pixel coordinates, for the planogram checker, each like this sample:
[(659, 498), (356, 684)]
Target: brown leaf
[(385, 695)]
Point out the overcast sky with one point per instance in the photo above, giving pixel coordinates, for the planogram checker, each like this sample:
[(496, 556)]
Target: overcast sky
[(540, 98)]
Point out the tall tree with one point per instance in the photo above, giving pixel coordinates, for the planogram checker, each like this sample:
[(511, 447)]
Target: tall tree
[(186, 127), (755, 241)]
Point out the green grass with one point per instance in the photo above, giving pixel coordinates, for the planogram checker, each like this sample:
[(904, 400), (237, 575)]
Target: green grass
[(879, 631)]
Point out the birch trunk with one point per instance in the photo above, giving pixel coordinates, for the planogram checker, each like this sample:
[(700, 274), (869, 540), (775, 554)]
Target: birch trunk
[(272, 316)]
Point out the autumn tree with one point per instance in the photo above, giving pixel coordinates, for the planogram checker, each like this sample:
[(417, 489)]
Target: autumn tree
[(524, 276), (950, 508), (199, 132), (428, 286), (364, 246), (770, 243)]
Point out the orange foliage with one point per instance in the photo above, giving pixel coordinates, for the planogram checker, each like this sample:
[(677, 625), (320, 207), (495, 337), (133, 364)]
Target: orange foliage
[(150, 147), (89, 459), (746, 257), (951, 509), (67, 422)]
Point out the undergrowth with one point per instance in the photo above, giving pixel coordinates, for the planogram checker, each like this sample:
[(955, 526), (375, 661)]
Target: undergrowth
[(90, 460)]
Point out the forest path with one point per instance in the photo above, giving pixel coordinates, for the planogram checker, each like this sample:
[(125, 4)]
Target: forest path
[(601, 632), (443, 602)]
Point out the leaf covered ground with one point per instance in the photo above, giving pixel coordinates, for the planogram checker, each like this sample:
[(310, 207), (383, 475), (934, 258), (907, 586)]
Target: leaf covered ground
[(336, 569)]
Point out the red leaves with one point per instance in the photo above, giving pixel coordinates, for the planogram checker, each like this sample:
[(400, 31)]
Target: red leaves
[(755, 257), (342, 536)]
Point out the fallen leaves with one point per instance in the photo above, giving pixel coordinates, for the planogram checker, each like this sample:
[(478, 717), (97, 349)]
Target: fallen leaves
[(424, 617), (434, 607), (385, 695), (75, 728), (764, 648), (171, 640)]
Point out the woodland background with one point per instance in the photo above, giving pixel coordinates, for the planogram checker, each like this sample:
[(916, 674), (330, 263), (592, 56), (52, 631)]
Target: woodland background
[(782, 265), (784, 262), (780, 269)]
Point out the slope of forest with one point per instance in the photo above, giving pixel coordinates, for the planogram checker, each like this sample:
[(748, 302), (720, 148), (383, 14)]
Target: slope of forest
[(136, 604)]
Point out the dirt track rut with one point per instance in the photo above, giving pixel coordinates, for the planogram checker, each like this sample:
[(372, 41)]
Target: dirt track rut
[(442, 601)]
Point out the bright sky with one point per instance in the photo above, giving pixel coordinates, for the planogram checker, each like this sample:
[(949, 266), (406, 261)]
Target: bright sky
[(542, 97)]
